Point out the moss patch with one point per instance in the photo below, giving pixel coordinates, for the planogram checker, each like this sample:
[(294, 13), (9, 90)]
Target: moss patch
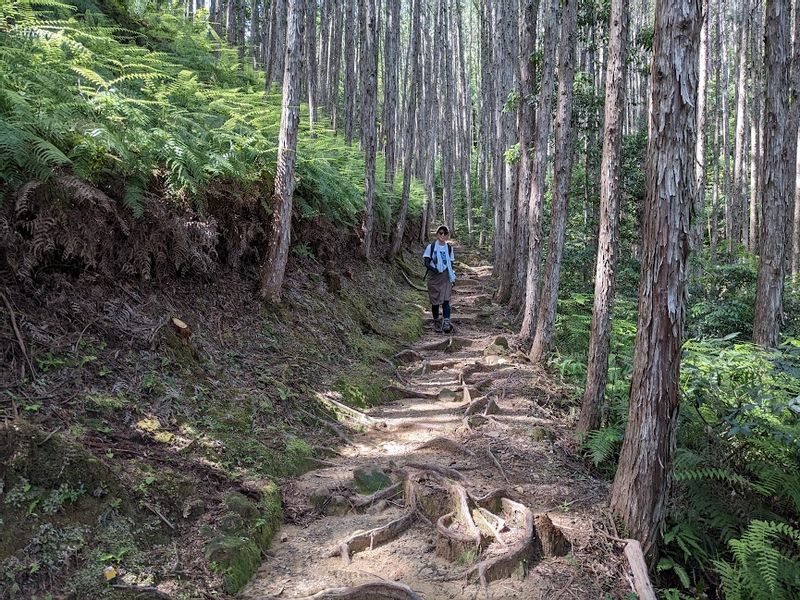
[(235, 552)]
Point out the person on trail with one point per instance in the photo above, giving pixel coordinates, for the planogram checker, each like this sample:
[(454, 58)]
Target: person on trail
[(438, 258)]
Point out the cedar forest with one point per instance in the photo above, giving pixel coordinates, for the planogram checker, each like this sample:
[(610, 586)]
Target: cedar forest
[(211, 298)]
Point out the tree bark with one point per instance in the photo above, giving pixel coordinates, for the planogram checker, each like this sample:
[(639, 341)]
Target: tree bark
[(390, 53), (410, 126), (777, 178), (525, 125), (349, 72), (311, 62), (562, 170), (696, 239), (641, 487), (272, 271), (538, 169), (738, 225), (368, 103), (608, 238)]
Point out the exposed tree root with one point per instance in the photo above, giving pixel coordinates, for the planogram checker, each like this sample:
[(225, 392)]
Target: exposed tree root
[(412, 284), (406, 392), (515, 556), (443, 471), (349, 413), (369, 591), (408, 356), (456, 531), (384, 494), (497, 463), (444, 443), (449, 344), (366, 540), (484, 405)]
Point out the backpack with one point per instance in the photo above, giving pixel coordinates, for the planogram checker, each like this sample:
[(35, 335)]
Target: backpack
[(430, 249)]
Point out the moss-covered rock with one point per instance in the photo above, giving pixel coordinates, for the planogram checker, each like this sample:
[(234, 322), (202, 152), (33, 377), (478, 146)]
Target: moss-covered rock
[(370, 479)]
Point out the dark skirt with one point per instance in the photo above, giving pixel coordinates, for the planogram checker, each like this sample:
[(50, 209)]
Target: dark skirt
[(439, 288)]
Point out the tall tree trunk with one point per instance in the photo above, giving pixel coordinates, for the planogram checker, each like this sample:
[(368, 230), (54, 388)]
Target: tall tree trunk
[(274, 267), (726, 145), (608, 238), (756, 121), (447, 122), (255, 32), (334, 62), (562, 170), (349, 72), (466, 115), (410, 124), (487, 112), (390, 53), (777, 139), (326, 21), (738, 221), (368, 103), (794, 159), (544, 117), (641, 487), (525, 125), (700, 146), (507, 125), (311, 61)]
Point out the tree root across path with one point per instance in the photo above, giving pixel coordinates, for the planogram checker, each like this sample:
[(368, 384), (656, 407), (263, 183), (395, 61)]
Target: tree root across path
[(504, 536), (369, 591)]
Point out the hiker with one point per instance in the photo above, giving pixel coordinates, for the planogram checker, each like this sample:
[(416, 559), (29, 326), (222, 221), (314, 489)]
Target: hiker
[(438, 257)]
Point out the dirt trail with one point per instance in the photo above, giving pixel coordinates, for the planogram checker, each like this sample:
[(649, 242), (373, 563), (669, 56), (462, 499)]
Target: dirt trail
[(476, 419)]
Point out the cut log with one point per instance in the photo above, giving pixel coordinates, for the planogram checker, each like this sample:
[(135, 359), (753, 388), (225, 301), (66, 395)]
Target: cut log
[(183, 331), (553, 542)]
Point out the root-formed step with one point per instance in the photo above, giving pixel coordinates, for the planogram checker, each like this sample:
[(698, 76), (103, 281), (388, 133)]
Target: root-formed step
[(369, 591)]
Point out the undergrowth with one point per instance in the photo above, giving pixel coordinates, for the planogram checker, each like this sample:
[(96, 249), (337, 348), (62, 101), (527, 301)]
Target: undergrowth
[(733, 525)]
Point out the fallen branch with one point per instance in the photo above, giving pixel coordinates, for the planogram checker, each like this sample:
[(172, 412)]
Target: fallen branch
[(367, 540), (158, 513), (497, 463), (641, 579), (146, 591), (18, 334)]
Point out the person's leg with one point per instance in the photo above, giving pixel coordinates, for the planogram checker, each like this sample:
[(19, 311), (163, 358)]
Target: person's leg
[(447, 327), (437, 322)]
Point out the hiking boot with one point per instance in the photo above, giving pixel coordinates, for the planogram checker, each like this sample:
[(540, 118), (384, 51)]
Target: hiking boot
[(447, 327), (437, 325)]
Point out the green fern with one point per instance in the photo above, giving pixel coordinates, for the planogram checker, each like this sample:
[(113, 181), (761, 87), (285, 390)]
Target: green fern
[(767, 563)]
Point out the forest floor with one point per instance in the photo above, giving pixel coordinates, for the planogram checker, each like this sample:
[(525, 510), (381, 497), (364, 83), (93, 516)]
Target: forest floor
[(469, 486)]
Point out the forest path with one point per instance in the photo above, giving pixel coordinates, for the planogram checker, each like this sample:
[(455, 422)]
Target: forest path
[(479, 458)]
